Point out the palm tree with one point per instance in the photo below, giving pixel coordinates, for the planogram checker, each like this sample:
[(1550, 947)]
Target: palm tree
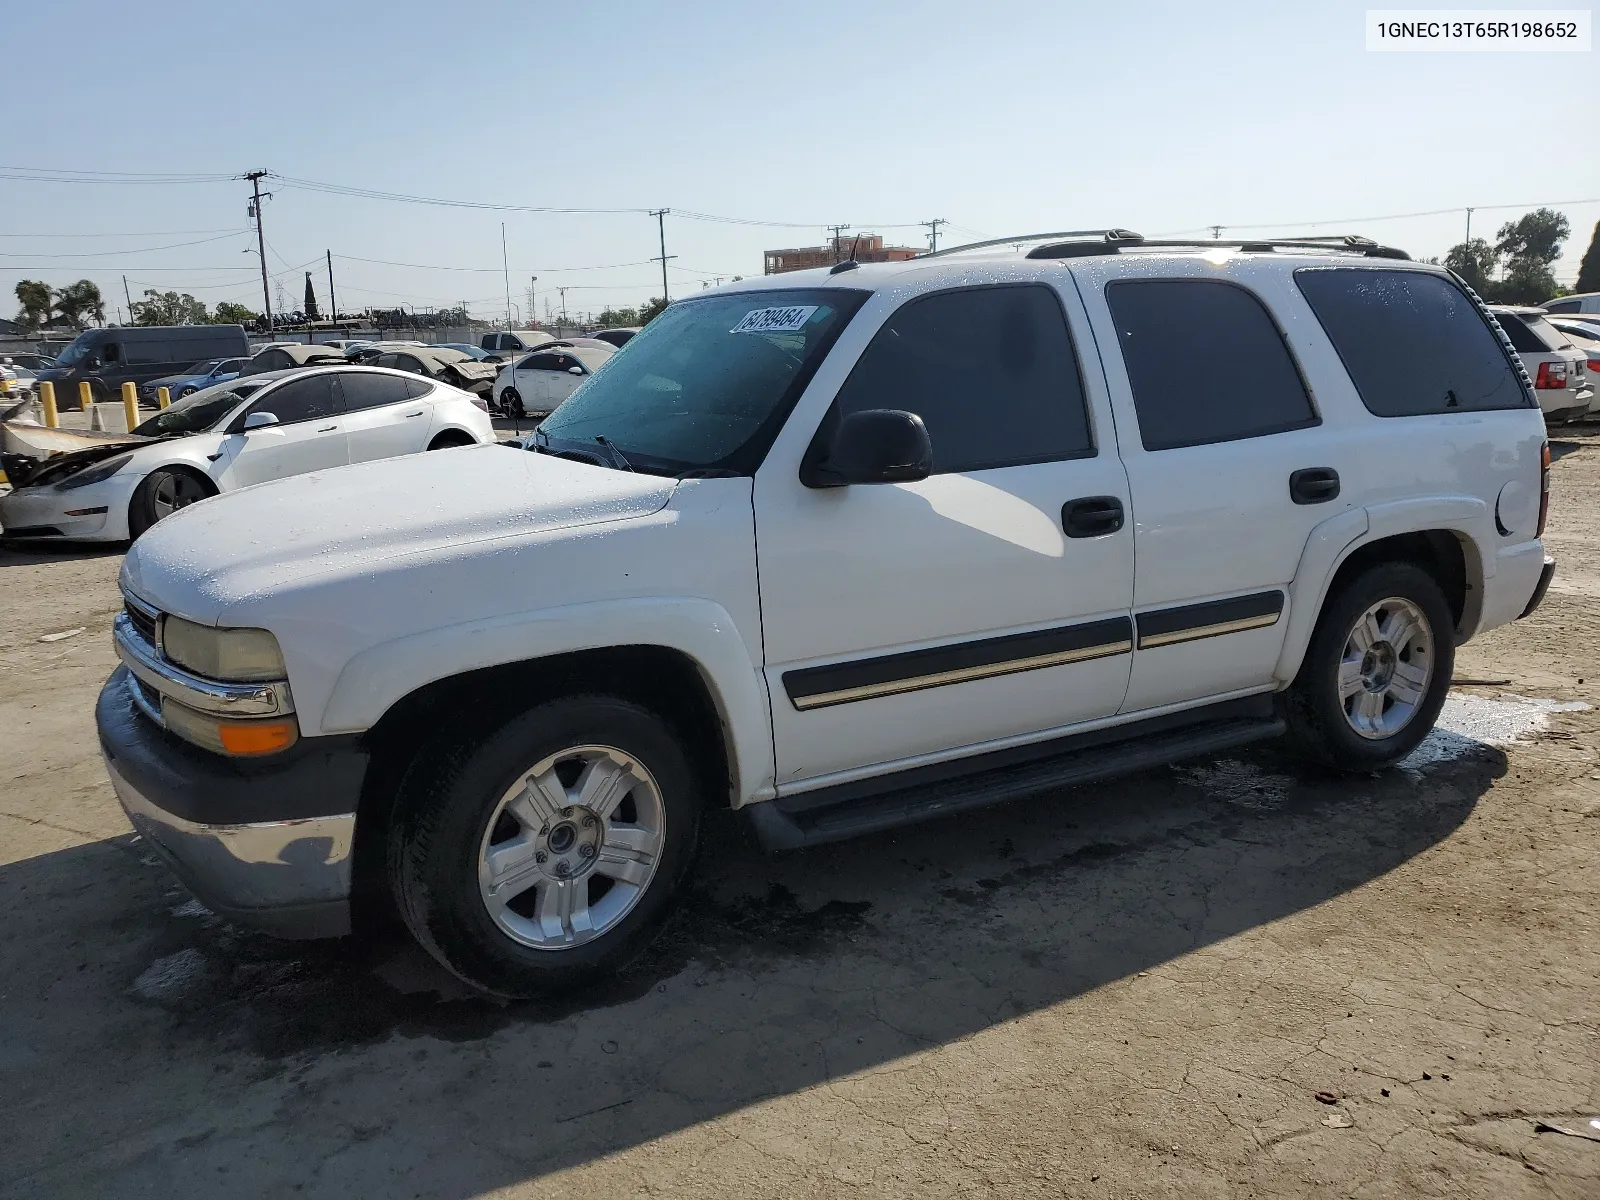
[(79, 300), (36, 302)]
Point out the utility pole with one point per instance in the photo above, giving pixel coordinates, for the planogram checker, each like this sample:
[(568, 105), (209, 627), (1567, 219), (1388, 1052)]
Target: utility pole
[(838, 230), (533, 299), (563, 292), (933, 233), (333, 305), (1216, 232), (255, 178), (1469, 226), (127, 297), (505, 264), (660, 215)]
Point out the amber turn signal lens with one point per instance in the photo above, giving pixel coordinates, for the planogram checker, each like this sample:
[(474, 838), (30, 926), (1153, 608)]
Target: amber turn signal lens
[(257, 737)]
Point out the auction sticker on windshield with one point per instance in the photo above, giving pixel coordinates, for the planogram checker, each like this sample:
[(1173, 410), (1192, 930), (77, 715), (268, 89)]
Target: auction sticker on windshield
[(775, 320)]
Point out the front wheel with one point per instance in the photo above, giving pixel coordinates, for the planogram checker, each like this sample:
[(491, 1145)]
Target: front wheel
[(547, 853), (161, 494), (1376, 672), (511, 401)]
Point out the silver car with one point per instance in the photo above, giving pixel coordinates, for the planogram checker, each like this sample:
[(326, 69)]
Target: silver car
[(1557, 367)]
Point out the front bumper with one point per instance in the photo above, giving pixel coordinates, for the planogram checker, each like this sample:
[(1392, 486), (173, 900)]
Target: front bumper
[(267, 842), (41, 512)]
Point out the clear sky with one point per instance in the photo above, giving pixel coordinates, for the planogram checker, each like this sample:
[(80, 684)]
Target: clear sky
[(1000, 117)]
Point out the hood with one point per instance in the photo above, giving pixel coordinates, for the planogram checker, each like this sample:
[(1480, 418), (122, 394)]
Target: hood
[(168, 381), (59, 466), (267, 538)]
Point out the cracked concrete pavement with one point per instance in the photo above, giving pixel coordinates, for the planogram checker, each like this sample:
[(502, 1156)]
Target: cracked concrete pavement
[(1127, 990)]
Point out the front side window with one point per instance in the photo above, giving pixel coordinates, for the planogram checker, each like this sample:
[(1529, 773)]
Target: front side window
[(541, 362), (709, 382), (991, 371), (1206, 363), (1413, 342), (111, 352), (301, 399)]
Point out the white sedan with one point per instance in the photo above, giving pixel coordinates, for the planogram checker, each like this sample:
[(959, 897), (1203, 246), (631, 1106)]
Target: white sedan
[(537, 382), (249, 430)]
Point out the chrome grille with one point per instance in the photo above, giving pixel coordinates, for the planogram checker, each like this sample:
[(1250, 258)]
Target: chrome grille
[(142, 619)]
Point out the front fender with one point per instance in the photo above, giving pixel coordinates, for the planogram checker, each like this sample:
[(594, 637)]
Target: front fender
[(1337, 538), (381, 675)]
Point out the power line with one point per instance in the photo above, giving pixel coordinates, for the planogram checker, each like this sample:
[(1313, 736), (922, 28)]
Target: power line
[(487, 270), (146, 233), (119, 253)]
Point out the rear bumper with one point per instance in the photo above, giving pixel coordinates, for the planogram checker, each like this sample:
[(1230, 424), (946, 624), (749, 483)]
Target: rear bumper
[(1545, 576), (267, 844)]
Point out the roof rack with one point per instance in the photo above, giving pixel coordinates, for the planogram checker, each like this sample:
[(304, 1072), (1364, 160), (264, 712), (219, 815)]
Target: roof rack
[(1351, 243), (1106, 234)]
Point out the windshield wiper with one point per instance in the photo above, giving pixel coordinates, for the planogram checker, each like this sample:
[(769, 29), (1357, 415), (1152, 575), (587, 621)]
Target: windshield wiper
[(616, 454)]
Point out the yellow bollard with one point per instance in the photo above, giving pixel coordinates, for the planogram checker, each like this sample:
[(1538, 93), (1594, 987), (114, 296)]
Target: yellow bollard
[(130, 405), (47, 397), (163, 397), (85, 395)]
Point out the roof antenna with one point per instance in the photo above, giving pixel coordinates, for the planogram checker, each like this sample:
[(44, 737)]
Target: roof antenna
[(849, 264)]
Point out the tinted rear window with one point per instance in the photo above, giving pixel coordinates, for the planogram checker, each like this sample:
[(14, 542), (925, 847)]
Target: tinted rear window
[(1412, 342), (1206, 363), (1523, 340), (1547, 333)]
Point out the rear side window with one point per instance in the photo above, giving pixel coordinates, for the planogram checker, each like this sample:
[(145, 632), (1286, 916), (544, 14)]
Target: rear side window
[(1412, 342), (1206, 363), (371, 391), (991, 371), (1547, 333)]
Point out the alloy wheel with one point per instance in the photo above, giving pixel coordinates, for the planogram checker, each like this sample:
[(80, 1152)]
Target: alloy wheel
[(1386, 667)]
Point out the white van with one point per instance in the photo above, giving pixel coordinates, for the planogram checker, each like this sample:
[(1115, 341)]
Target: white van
[(1584, 302)]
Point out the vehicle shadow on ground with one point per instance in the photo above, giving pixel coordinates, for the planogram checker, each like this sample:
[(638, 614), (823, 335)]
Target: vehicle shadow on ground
[(19, 554), (358, 1066)]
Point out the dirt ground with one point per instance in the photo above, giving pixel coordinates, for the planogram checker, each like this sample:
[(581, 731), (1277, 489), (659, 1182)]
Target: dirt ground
[(1128, 990)]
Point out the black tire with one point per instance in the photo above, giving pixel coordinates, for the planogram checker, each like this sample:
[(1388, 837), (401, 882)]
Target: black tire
[(160, 493), (511, 401), (448, 439), (1318, 723), (441, 818)]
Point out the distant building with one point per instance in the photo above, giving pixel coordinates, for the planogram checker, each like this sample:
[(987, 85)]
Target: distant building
[(865, 248)]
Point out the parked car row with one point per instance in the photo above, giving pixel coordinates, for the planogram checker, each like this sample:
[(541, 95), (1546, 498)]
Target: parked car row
[(1557, 368)]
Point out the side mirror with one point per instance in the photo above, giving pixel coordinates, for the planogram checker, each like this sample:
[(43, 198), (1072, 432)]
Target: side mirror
[(92, 362), (259, 420), (574, 370), (879, 445)]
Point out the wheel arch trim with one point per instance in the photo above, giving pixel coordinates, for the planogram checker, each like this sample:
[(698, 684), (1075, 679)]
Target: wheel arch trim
[(703, 631), (1332, 543)]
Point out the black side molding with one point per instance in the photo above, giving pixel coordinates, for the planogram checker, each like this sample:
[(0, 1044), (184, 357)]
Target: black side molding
[(913, 670), (1189, 622)]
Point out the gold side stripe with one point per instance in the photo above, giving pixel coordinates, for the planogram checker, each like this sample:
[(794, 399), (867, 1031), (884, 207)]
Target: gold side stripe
[(917, 682), (1205, 631)]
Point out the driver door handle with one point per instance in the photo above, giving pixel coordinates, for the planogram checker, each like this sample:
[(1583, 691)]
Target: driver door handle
[(328, 428), (1314, 485), (1092, 516)]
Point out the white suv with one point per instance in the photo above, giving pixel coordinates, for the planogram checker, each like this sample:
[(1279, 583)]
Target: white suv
[(842, 549)]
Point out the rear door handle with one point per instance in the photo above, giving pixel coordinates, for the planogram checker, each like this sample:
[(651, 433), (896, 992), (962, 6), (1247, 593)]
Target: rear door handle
[(418, 413), (1092, 516), (327, 429), (1314, 485)]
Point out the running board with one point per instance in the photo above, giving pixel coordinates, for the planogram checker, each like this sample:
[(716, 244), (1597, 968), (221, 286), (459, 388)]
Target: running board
[(789, 823)]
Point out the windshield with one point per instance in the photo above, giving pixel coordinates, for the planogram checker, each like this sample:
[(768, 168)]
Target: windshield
[(204, 368), (202, 410), (77, 351), (708, 383)]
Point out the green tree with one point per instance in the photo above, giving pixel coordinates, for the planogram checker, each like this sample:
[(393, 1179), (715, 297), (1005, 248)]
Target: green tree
[(1588, 270), (230, 312), (169, 308), (81, 302), (651, 309), (36, 302), (1534, 238), (311, 301), (611, 318), (1474, 261)]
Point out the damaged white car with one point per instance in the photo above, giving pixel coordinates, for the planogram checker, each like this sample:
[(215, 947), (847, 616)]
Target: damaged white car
[(249, 430)]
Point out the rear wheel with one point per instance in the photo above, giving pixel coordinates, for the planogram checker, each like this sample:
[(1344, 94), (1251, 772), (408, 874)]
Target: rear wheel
[(547, 853), (163, 493), (1377, 671), (450, 438)]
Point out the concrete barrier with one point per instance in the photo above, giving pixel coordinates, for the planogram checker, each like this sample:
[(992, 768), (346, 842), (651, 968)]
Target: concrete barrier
[(130, 404), (47, 397), (85, 396), (163, 397)]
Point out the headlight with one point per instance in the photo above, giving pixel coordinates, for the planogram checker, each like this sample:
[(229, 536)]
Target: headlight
[(225, 654), (98, 473)]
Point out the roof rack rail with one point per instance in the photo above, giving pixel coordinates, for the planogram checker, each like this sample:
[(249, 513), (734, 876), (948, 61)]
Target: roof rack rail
[(1107, 234), (1352, 242)]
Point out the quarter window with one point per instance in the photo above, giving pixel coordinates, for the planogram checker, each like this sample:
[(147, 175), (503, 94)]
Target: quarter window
[(1206, 363), (1413, 342), (991, 371)]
